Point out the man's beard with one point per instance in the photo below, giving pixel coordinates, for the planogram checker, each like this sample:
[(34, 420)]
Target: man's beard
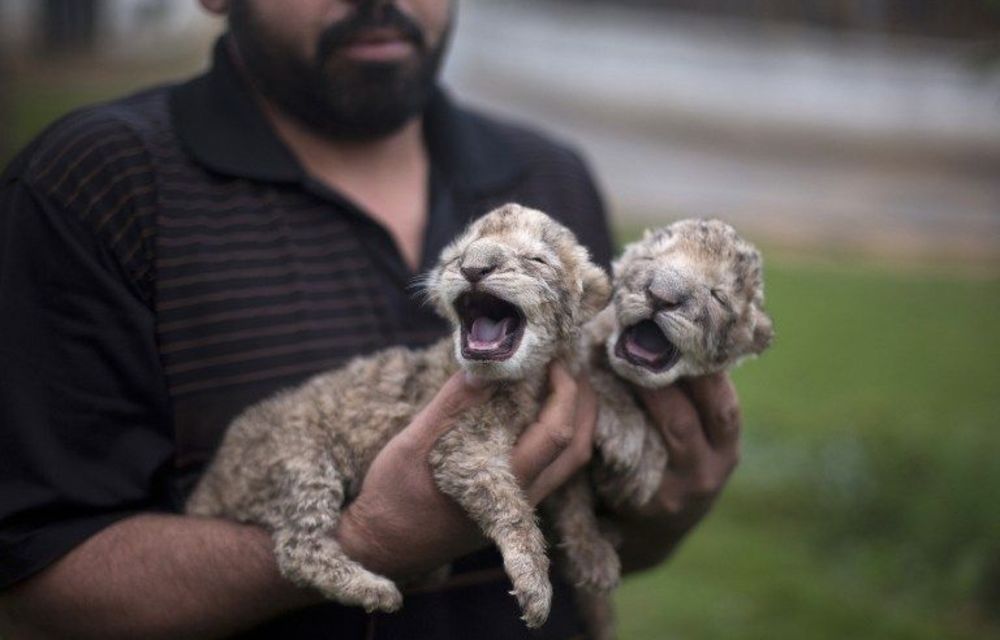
[(341, 99)]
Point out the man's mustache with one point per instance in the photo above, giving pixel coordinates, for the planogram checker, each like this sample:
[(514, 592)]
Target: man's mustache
[(369, 14)]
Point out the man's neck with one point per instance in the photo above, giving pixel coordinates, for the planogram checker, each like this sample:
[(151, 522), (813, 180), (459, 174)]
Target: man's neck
[(387, 177), (336, 161)]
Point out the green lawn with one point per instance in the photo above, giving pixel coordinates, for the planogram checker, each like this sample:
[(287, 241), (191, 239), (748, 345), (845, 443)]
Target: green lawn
[(40, 92), (865, 504), (37, 104)]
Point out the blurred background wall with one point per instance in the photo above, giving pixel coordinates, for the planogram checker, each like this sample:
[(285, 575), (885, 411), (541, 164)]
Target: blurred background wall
[(961, 18), (119, 27), (857, 136), (858, 143)]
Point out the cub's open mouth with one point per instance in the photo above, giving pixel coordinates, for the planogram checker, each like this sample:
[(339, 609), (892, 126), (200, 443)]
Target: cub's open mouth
[(491, 327), (644, 345)]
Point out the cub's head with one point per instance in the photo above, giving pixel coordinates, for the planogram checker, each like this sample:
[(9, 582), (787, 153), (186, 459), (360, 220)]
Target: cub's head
[(688, 300), (516, 285)]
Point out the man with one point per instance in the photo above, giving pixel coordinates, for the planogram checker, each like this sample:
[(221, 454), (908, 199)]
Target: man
[(172, 257)]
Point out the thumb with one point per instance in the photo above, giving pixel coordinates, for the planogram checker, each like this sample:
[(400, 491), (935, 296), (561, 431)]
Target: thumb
[(458, 395)]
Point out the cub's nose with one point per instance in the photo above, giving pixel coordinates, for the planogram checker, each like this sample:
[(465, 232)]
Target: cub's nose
[(668, 290), (481, 258), (667, 300), (475, 273)]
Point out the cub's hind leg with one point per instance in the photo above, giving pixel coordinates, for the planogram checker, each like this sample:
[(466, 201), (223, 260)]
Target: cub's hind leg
[(591, 562), (274, 469)]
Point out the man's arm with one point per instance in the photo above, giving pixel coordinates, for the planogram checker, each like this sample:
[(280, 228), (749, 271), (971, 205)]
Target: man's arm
[(85, 420), (154, 576)]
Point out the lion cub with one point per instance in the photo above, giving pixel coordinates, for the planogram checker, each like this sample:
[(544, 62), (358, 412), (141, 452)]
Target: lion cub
[(688, 301), (516, 287)]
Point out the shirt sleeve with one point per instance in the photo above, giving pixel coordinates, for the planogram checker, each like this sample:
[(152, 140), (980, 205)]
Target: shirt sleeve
[(84, 418), (594, 230)]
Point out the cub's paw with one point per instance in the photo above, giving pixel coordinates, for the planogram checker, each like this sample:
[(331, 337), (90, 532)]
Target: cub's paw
[(370, 591), (593, 565), (628, 489), (619, 443), (535, 603), (634, 487), (640, 488)]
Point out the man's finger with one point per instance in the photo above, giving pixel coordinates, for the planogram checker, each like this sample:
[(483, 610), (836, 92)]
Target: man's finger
[(680, 425), (715, 400), (579, 451), (457, 396), (545, 439)]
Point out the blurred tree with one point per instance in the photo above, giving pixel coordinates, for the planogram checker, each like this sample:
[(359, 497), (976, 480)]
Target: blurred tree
[(69, 25)]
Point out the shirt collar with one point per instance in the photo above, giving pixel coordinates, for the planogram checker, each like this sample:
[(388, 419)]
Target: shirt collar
[(222, 127)]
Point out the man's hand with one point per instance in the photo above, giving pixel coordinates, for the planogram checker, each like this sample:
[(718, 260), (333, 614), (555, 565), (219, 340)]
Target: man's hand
[(400, 524), (700, 423)]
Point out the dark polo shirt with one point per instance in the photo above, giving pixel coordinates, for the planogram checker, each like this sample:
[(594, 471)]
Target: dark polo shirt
[(165, 261)]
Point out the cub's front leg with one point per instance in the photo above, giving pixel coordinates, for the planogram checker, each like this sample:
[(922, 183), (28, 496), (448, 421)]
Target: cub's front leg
[(472, 466), (631, 455)]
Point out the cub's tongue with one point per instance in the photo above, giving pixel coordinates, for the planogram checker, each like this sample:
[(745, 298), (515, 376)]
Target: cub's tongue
[(646, 341), (486, 331)]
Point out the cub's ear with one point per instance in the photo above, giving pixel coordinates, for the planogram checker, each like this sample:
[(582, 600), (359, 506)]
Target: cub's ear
[(596, 290), (763, 331)]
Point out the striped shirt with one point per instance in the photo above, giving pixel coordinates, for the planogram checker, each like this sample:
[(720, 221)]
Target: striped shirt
[(165, 262)]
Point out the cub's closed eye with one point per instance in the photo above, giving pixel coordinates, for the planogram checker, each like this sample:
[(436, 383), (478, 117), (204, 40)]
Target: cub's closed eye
[(720, 297), (538, 259)]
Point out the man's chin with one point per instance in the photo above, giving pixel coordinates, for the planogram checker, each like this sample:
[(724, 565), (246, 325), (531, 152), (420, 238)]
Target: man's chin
[(367, 117), (360, 93), (358, 100)]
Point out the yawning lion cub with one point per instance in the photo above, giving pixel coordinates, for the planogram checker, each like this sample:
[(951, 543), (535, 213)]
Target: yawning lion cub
[(516, 287)]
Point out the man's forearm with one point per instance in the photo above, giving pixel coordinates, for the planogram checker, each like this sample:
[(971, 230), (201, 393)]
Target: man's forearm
[(155, 576)]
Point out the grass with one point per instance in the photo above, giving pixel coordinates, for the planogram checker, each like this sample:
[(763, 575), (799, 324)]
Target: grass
[(39, 92), (38, 104), (864, 507)]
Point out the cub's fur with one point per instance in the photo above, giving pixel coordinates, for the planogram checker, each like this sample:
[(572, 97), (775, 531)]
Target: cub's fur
[(516, 287), (687, 301)]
